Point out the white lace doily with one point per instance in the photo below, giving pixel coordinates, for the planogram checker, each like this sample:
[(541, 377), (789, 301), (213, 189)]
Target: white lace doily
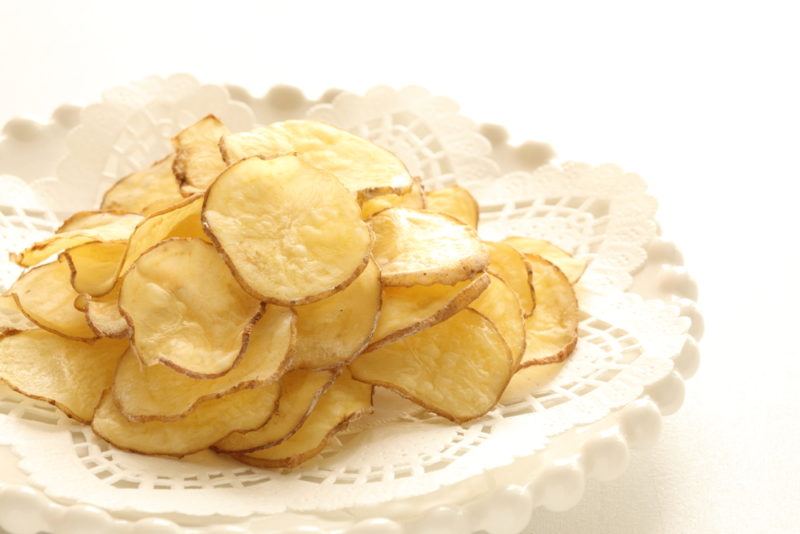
[(400, 453)]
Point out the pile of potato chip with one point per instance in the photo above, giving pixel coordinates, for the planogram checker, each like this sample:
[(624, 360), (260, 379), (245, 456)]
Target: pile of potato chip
[(247, 293)]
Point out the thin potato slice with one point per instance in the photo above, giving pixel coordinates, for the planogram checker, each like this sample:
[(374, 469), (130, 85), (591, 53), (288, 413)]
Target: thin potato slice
[(571, 266), (209, 422), (12, 320), (500, 305), (68, 374), (77, 231), (197, 157), (509, 264), (290, 233), (407, 310), (45, 295), (94, 266), (456, 202), (457, 368), (362, 167), (145, 191), (332, 331), (422, 248), (103, 314), (414, 199), (552, 329), (345, 400), (300, 391), (158, 392), (186, 310)]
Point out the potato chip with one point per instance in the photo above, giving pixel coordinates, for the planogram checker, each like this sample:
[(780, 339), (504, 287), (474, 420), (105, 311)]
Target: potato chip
[(552, 329), (407, 310), (334, 330), (291, 233), (457, 368), (209, 422), (571, 266), (456, 202), (145, 191), (94, 266), (68, 374), (500, 305), (198, 160), (509, 264), (414, 199), (76, 231), (12, 320), (44, 294), (362, 167), (345, 400), (186, 310), (103, 314), (300, 391), (159, 392), (422, 248)]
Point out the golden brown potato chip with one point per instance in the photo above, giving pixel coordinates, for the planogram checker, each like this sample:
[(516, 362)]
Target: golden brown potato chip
[(68, 374), (500, 305), (552, 329), (12, 320), (300, 391), (158, 392), (571, 266), (198, 160), (94, 266), (145, 191), (457, 368), (209, 422), (334, 330), (414, 199), (407, 310), (509, 264), (456, 202), (291, 233), (186, 310), (360, 166), (77, 231), (44, 294), (103, 314), (422, 248), (345, 400)]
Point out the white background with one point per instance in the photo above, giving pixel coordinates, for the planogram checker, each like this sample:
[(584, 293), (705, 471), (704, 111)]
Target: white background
[(699, 98)]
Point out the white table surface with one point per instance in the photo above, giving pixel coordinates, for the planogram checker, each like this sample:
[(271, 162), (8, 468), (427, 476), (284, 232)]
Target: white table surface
[(699, 98)]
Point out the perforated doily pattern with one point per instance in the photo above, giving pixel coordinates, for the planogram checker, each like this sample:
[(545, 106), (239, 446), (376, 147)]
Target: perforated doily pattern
[(400, 451)]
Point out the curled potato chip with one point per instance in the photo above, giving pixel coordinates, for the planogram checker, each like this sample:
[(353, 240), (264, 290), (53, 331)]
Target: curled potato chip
[(456, 202), (335, 329), (68, 374), (509, 264), (209, 422), (44, 294), (186, 310), (145, 191), (407, 310), (345, 400), (94, 266), (500, 305), (12, 320), (103, 314), (571, 266), (422, 248), (457, 368), (158, 392), (362, 167), (290, 233), (552, 329), (300, 391), (414, 199), (88, 227), (197, 157)]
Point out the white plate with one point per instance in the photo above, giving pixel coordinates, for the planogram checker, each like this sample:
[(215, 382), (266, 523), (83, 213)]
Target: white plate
[(403, 470)]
